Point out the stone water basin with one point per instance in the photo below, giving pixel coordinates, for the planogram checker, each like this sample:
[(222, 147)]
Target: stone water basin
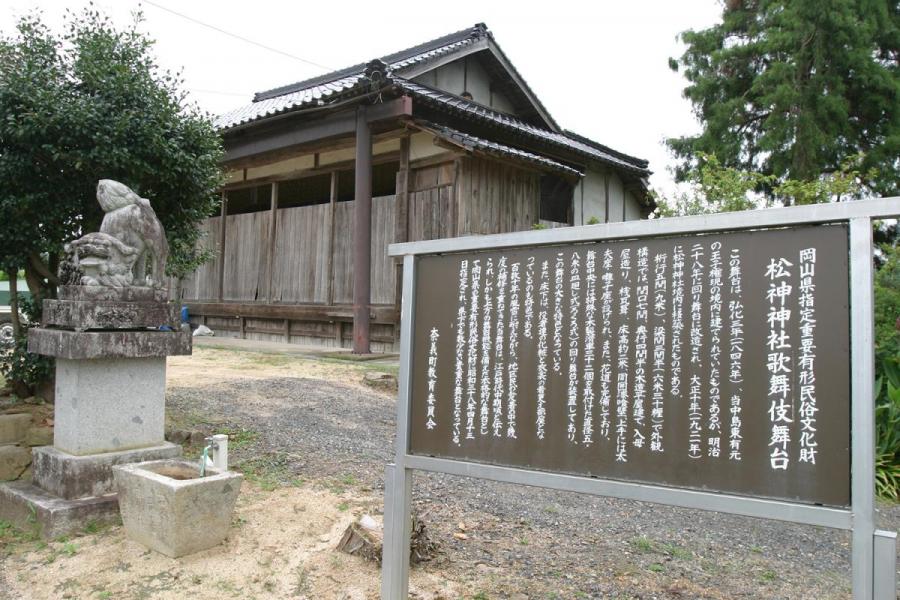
[(168, 507)]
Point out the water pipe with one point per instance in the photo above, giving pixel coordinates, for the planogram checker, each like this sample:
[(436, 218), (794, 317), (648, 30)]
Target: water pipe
[(220, 452), (215, 454), (204, 457)]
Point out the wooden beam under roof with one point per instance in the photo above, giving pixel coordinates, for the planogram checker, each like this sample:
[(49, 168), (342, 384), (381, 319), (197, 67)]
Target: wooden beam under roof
[(273, 139)]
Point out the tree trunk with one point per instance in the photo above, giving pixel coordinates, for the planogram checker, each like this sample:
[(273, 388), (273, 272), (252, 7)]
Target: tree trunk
[(14, 301)]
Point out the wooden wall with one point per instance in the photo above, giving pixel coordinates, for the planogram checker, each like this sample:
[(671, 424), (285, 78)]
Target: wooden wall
[(298, 286), (203, 284), (495, 197), (302, 247), (308, 266), (246, 252)]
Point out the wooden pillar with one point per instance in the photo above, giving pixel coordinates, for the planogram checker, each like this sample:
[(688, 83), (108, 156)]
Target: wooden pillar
[(401, 213), (329, 264), (221, 286), (270, 255), (362, 239), (401, 224), (606, 196)]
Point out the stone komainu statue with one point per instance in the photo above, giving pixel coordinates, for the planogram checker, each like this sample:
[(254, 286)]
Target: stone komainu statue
[(129, 250)]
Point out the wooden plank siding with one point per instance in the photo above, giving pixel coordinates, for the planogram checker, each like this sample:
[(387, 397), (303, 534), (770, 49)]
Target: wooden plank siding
[(495, 197), (302, 256), (430, 214), (383, 275), (246, 248), (288, 272), (300, 274), (203, 283)]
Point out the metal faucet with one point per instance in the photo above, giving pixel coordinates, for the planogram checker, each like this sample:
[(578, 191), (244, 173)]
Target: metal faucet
[(211, 444)]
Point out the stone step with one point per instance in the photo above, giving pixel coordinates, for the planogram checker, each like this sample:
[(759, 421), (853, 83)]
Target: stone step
[(72, 477), (31, 509), (14, 427)]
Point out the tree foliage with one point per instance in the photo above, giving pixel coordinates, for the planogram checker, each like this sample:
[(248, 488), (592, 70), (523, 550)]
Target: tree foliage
[(85, 105), (793, 89), (713, 188)]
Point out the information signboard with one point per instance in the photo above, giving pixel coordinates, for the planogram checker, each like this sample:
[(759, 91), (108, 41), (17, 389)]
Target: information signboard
[(716, 362)]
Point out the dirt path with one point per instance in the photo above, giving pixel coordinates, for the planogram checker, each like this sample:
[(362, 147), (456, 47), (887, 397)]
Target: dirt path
[(312, 441)]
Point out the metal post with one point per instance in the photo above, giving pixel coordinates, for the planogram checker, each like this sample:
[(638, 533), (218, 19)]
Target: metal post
[(862, 410), (885, 570), (362, 238), (398, 478)]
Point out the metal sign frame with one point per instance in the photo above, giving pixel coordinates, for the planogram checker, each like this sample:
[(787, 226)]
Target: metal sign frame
[(873, 552)]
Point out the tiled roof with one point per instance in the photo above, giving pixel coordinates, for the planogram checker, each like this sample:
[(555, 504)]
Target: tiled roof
[(311, 96), (472, 142), (319, 90), (352, 82), (566, 140)]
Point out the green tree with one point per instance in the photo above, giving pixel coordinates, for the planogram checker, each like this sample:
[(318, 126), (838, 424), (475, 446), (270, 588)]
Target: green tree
[(84, 105), (793, 89), (87, 105), (714, 188)]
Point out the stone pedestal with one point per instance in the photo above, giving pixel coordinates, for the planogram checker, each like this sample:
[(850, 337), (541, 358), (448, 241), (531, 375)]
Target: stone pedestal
[(110, 403)]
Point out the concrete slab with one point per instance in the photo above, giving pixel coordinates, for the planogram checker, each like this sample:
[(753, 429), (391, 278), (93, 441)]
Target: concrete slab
[(72, 477), (75, 345), (109, 404), (82, 315), (167, 507), (29, 508)]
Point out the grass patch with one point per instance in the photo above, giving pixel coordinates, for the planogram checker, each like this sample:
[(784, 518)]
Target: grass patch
[(269, 471), (768, 576), (270, 360), (343, 506), (656, 568), (240, 437), (642, 544), (301, 581), (645, 545), (339, 486), (676, 552), (276, 359)]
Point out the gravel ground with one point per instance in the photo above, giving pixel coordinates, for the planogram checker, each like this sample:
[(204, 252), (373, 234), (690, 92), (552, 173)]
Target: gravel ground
[(508, 541)]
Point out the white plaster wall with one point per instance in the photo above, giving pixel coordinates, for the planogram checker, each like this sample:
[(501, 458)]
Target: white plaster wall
[(450, 77), (590, 198), (499, 102), (479, 83), (421, 145), (290, 165), (336, 156), (632, 208), (616, 198), (466, 75)]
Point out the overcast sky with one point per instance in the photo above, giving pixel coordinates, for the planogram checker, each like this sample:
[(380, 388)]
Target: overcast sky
[(599, 67)]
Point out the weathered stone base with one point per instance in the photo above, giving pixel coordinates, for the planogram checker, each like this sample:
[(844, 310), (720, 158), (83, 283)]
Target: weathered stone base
[(83, 315), (100, 293), (75, 345), (109, 405), (71, 477), (29, 508)]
